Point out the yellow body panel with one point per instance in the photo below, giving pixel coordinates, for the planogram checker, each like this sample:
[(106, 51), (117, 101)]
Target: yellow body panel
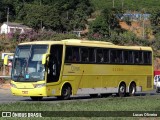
[(96, 76)]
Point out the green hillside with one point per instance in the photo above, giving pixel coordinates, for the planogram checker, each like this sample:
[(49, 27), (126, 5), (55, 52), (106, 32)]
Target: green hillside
[(137, 5)]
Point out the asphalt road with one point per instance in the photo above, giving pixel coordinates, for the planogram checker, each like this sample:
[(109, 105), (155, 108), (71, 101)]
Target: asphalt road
[(7, 97)]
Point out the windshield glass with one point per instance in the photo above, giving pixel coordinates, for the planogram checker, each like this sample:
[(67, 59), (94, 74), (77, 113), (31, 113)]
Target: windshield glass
[(27, 63)]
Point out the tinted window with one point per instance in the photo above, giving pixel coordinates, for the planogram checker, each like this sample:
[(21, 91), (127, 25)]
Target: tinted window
[(113, 56), (75, 54), (147, 57), (138, 57), (68, 57), (100, 57), (72, 54), (128, 57), (84, 55), (119, 56), (106, 55), (116, 56), (92, 55)]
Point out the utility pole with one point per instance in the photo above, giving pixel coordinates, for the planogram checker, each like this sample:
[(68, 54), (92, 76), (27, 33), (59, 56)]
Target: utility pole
[(40, 2), (67, 15), (113, 3), (41, 18), (143, 24), (143, 35), (122, 4), (7, 18)]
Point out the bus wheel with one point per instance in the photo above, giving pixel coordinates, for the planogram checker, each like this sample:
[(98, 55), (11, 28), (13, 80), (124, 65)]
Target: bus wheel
[(65, 93), (36, 98), (122, 90), (157, 90), (132, 89)]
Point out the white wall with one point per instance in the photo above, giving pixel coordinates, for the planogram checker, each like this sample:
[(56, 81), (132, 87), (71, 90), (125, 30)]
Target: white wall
[(4, 29)]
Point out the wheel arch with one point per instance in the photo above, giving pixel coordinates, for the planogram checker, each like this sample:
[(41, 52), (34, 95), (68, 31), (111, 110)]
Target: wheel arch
[(66, 84), (121, 82), (132, 82)]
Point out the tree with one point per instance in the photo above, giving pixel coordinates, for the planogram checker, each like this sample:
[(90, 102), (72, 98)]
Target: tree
[(58, 15), (74, 14), (99, 27), (2, 12), (107, 22), (155, 21)]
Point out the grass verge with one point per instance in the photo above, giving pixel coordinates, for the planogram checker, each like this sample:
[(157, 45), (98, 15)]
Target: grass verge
[(141, 103)]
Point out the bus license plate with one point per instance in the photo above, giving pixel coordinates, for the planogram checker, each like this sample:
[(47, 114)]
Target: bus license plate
[(25, 92)]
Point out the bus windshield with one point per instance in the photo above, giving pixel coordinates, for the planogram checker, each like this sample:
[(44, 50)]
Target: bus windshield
[(27, 63)]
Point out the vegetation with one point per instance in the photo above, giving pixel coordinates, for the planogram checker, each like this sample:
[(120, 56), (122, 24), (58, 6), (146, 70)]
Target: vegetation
[(57, 15), (130, 5), (106, 23), (142, 103), (52, 19)]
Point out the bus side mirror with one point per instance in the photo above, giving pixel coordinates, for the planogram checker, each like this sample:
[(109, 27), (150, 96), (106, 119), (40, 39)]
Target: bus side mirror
[(44, 58), (6, 60)]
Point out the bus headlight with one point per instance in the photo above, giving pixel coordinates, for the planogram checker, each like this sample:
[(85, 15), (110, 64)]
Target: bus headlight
[(39, 85), (13, 85)]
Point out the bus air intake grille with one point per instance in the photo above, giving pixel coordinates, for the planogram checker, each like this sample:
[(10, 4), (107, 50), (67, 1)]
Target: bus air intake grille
[(149, 81)]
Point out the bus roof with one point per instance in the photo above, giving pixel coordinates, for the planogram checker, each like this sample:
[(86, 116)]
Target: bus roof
[(68, 41), (90, 43)]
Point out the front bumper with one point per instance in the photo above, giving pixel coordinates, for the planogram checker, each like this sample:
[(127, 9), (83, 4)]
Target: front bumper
[(29, 92)]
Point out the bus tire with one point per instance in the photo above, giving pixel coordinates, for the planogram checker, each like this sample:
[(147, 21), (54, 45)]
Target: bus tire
[(35, 98), (122, 90), (132, 89), (65, 93), (157, 90)]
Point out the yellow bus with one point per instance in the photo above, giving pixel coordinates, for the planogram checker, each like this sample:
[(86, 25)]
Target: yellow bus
[(73, 67)]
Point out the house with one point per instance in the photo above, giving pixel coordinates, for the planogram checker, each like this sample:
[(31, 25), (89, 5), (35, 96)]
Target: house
[(77, 33), (13, 27)]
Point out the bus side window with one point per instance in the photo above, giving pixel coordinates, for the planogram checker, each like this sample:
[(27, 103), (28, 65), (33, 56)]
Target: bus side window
[(75, 57), (92, 55), (68, 57), (100, 56), (136, 57), (140, 57), (119, 56), (84, 55), (126, 56), (147, 57), (113, 56), (106, 55)]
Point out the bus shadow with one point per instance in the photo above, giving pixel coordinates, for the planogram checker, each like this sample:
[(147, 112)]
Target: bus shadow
[(55, 98), (87, 97)]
